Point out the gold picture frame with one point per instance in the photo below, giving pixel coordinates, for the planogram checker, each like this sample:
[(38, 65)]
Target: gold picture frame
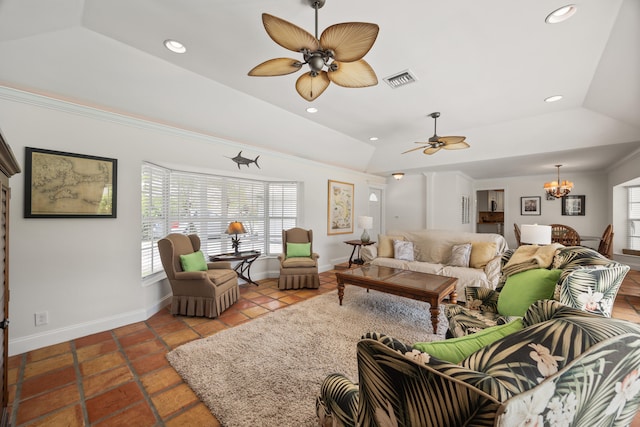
[(340, 208), (67, 185)]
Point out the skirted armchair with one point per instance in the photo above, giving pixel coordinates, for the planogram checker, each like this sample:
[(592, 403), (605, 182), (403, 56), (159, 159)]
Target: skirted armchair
[(208, 290), (298, 262), (565, 367)]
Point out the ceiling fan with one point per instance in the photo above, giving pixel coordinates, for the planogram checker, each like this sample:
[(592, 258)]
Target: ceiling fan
[(436, 142), (339, 50)]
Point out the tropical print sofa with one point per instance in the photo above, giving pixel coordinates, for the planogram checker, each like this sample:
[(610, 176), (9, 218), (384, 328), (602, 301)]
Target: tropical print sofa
[(566, 367), (588, 281)]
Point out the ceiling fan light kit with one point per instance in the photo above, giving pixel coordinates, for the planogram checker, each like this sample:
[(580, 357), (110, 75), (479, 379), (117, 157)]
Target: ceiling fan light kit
[(334, 57), (558, 188), (435, 143)]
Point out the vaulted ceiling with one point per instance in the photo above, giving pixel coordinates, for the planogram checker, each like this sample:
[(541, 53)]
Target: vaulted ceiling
[(487, 66)]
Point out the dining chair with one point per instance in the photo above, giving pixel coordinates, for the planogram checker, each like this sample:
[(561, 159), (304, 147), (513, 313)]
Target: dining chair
[(564, 235), (605, 247)]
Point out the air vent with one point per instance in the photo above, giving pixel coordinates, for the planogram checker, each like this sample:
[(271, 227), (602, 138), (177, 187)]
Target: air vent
[(403, 78)]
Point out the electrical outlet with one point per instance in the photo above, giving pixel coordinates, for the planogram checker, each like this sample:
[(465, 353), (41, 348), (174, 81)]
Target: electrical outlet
[(42, 318)]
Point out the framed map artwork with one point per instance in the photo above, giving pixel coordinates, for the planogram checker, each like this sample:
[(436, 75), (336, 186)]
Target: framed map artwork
[(66, 185), (340, 208)]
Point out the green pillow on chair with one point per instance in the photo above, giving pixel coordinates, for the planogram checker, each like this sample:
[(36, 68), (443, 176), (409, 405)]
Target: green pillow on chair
[(193, 262), (523, 289), (455, 350), (298, 250)]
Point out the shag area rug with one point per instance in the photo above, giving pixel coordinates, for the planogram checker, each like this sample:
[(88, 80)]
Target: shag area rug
[(268, 372)]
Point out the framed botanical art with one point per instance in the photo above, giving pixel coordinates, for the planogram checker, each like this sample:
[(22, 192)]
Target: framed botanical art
[(67, 185), (340, 208), (530, 205), (573, 205)]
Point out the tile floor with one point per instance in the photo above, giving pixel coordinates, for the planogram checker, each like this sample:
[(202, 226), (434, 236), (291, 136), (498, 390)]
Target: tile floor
[(122, 378)]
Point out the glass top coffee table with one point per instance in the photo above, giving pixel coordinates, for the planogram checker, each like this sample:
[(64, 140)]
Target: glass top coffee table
[(426, 287)]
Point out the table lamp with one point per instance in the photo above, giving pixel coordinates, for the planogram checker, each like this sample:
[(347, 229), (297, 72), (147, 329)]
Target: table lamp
[(365, 222), (534, 234), (235, 228)]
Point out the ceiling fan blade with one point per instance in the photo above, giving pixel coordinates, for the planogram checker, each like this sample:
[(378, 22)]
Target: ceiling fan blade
[(349, 41), (276, 67), (353, 74), (312, 87), (417, 148), (431, 150), (451, 139), (456, 146), (288, 35)]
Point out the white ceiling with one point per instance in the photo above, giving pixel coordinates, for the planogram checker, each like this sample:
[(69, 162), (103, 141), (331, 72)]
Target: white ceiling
[(485, 65)]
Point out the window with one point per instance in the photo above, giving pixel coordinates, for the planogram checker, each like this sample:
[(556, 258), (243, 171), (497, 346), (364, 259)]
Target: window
[(634, 218), (203, 204)]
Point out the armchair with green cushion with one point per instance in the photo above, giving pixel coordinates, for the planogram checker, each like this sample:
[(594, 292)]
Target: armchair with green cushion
[(528, 375), (298, 261), (199, 288), (587, 281)]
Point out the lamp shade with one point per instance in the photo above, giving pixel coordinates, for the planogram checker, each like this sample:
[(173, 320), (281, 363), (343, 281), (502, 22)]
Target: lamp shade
[(534, 234), (236, 228), (365, 222)]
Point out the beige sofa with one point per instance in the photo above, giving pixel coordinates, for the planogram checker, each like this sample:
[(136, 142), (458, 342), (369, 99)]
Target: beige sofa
[(432, 250)]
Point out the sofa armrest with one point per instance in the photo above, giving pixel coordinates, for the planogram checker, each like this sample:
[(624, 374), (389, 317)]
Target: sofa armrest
[(493, 270), (369, 253), (338, 402)]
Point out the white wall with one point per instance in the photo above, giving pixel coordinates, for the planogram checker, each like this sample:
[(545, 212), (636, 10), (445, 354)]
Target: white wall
[(626, 172), (86, 272)]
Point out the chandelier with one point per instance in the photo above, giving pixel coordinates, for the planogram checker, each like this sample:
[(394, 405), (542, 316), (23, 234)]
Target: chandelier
[(558, 188)]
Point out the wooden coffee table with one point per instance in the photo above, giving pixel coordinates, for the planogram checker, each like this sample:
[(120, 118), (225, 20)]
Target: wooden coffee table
[(430, 288)]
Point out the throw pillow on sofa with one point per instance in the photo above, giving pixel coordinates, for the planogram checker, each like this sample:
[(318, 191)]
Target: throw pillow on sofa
[(455, 350), (460, 255), (403, 250), (523, 289), (481, 254), (385, 245)]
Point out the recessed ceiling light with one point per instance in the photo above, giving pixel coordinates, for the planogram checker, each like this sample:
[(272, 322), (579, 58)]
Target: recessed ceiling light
[(553, 98), (562, 14), (175, 46), (373, 138), (312, 110)]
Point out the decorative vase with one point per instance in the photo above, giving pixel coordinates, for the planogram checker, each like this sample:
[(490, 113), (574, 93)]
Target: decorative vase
[(365, 236)]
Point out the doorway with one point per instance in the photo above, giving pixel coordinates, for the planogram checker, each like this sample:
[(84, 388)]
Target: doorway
[(490, 211), (375, 211)]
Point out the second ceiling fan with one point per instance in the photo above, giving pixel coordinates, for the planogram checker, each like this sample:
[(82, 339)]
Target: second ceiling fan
[(436, 142)]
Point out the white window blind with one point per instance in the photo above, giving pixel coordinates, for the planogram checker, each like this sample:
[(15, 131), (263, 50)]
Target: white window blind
[(634, 218), (203, 204)]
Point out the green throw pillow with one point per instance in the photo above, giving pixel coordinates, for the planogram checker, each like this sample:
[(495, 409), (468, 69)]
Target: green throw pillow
[(455, 350), (193, 262), (298, 249), (523, 289)]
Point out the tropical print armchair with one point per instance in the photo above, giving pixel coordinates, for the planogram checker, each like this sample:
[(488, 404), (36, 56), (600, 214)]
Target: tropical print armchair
[(588, 282), (565, 368)]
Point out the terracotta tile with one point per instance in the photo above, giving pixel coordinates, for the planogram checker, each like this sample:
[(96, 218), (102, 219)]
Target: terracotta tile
[(35, 407), (102, 363), (129, 329), (278, 294), (262, 299), (93, 339), (11, 393), (136, 338), (51, 364), (112, 401), (169, 328), (275, 305), (178, 338), (46, 382), (291, 299), (161, 318), (47, 352), (139, 415), (144, 365), (210, 328), (160, 380), (12, 375), (251, 294), (232, 318), (243, 304), (98, 383), (70, 416), (144, 349), (199, 415), (172, 400), (95, 350), (15, 361), (255, 311), (193, 321)]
